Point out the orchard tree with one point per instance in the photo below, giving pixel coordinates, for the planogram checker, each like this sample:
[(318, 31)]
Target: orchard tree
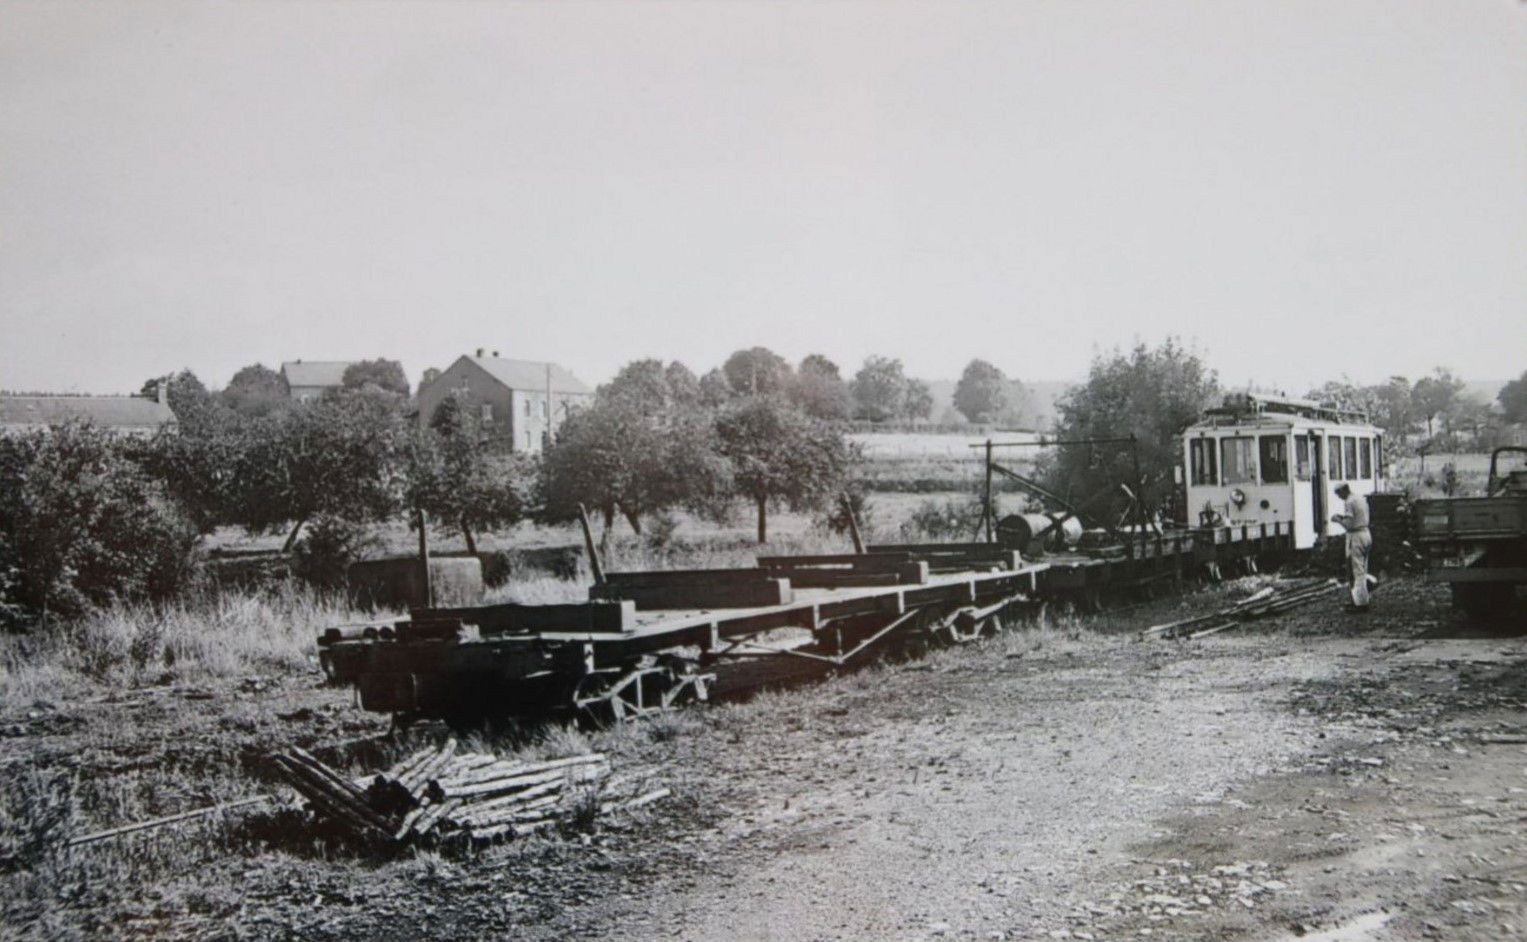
[(383, 374), (337, 457), (1151, 394), (758, 371), (917, 401), (1513, 399), (256, 390), (1433, 396), (880, 389), (820, 391), (779, 454), (459, 480), (982, 392), (82, 525), (195, 408), (643, 446)]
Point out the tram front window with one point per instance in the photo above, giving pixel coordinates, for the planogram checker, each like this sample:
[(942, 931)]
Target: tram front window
[(1273, 452), (1236, 458)]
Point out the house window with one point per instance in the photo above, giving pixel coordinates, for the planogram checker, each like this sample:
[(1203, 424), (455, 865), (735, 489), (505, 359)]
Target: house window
[(1274, 459), (528, 440), (487, 412), (1302, 458), (1202, 460), (545, 408), (527, 408), (1365, 457), (1236, 458), (1349, 449), (1333, 458)]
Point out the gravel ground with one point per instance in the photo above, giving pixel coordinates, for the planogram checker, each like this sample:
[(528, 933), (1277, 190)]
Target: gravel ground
[(1315, 776)]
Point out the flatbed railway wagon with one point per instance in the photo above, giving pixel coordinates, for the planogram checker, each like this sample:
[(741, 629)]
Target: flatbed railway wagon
[(1272, 460), (645, 641)]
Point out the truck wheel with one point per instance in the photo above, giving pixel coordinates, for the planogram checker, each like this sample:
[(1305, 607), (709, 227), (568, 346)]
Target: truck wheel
[(1479, 599)]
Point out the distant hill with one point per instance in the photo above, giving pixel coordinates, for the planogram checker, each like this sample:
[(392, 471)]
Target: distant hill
[(1038, 402)]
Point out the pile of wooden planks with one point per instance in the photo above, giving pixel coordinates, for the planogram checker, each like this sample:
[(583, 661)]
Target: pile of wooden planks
[(1267, 601), (847, 570), (442, 794), (695, 588)]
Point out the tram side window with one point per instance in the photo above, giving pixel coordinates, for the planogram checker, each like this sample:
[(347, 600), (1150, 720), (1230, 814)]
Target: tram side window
[(1333, 457), (1365, 458), (1274, 459), (1378, 454), (1349, 465), (1236, 458), (1201, 456), (1302, 457)]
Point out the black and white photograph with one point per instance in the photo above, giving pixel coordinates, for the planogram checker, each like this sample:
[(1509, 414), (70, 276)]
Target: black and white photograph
[(763, 470)]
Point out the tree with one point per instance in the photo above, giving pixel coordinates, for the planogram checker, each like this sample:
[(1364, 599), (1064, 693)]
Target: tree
[(1513, 399), (819, 389), (335, 457), (643, 446), (917, 401), (1393, 410), (779, 454), (459, 480), (982, 392), (256, 390), (758, 371), (383, 374), (880, 389), (196, 410), (715, 390), (1151, 394), (1434, 395), (81, 525)]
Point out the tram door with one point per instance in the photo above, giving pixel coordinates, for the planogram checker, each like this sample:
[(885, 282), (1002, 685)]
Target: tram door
[(1318, 481)]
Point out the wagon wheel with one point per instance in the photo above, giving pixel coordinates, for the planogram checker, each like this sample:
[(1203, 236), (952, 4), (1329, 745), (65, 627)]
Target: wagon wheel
[(593, 705)]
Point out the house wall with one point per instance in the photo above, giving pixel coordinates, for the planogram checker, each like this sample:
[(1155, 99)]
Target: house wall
[(515, 416), (530, 416)]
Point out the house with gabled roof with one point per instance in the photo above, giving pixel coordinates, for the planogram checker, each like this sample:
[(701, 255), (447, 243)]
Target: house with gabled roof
[(125, 415), (517, 402), (307, 380)]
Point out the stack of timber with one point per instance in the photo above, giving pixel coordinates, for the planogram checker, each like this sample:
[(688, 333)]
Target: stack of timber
[(695, 588), (1268, 601), (440, 794), (956, 557), (847, 570)]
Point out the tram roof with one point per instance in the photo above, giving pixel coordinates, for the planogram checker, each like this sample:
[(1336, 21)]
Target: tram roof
[(1275, 420)]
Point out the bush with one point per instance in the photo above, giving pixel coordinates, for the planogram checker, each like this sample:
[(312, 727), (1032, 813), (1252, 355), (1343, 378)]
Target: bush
[(325, 552), (950, 521), (81, 526)]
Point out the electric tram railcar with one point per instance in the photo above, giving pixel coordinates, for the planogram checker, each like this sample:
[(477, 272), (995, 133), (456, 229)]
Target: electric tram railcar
[(1268, 459)]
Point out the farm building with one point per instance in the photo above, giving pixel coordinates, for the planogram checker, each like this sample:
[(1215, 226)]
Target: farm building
[(127, 415), (306, 380), (519, 402)]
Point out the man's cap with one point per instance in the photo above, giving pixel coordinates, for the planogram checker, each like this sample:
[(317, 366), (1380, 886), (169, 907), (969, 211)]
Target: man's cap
[(1343, 490)]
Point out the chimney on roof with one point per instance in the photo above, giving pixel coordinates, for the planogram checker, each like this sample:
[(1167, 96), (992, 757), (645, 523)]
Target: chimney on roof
[(164, 391), (495, 354), (479, 353)]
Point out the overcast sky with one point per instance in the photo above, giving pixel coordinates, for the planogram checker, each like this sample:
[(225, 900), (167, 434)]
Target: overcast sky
[(1297, 190)]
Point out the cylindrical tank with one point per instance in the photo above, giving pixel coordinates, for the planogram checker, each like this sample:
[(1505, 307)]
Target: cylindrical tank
[(1017, 531)]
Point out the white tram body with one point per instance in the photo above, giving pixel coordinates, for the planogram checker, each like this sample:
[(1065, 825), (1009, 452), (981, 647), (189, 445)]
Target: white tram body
[(1268, 459)]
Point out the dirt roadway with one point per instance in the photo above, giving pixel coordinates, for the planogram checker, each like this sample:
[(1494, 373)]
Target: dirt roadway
[(1254, 787), (1335, 777)]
